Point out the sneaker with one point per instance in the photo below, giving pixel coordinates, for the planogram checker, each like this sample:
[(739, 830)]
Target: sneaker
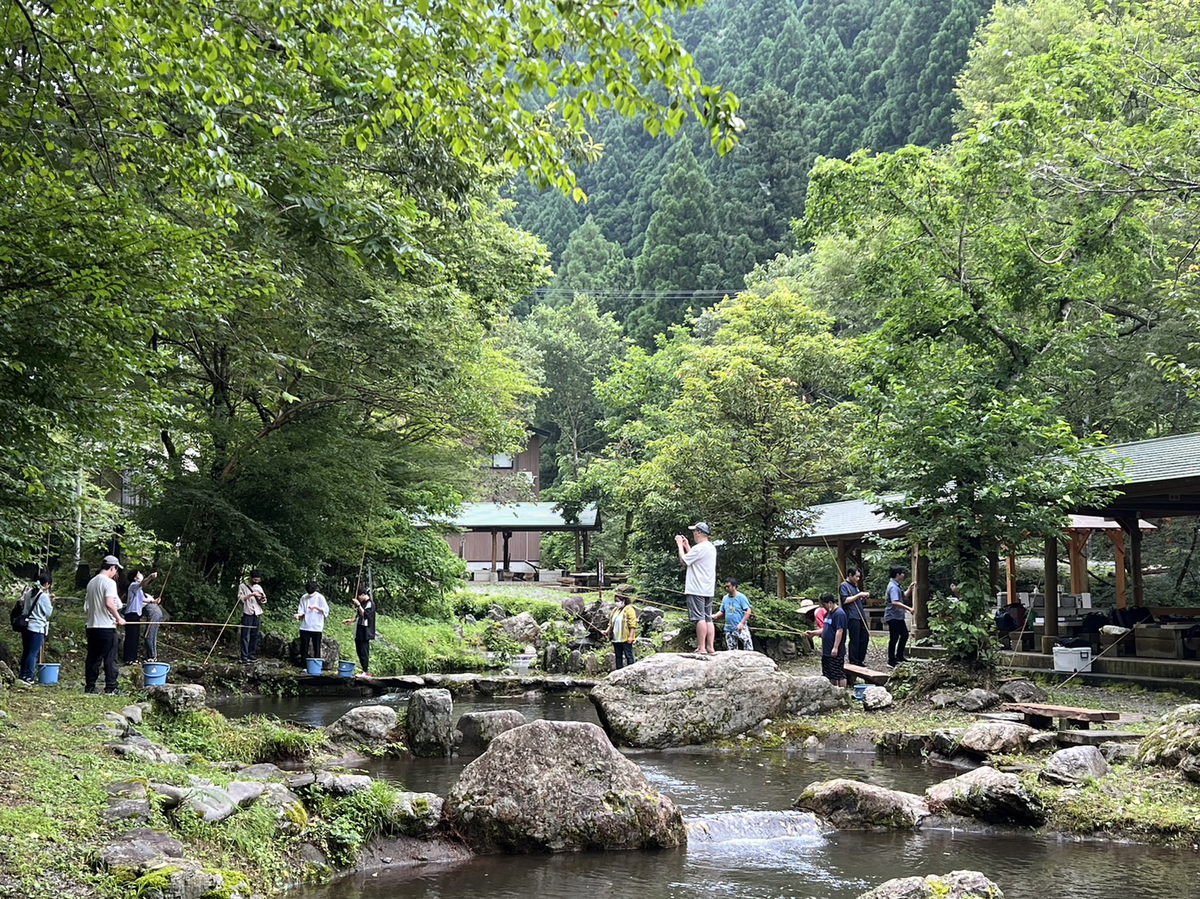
[(116, 691)]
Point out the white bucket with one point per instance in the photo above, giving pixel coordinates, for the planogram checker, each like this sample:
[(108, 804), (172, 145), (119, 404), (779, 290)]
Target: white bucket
[(1073, 658)]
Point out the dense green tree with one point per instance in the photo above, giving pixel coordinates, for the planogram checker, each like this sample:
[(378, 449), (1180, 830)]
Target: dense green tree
[(591, 262), (683, 251)]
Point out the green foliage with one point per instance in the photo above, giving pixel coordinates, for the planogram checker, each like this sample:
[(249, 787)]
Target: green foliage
[(251, 739), (477, 604), (347, 823)]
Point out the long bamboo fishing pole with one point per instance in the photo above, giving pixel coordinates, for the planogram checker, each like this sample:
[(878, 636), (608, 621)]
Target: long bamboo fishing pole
[(213, 649)]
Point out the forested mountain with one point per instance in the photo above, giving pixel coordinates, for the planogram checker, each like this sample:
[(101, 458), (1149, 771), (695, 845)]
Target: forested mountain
[(816, 78)]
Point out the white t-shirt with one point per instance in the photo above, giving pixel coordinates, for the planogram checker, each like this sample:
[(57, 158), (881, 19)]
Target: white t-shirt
[(701, 561), (313, 620), (99, 589)]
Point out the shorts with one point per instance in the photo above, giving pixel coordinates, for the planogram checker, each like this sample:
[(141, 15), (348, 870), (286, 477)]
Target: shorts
[(739, 640), (833, 668), (699, 608)]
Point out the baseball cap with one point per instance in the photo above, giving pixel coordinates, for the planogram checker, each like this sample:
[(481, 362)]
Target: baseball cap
[(700, 526), (110, 561)]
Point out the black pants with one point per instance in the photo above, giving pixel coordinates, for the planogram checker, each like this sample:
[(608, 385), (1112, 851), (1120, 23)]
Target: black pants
[(101, 652), (310, 645), (250, 625), (624, 654), (897, 640), (859, 641), (133, 635), (362, 646)]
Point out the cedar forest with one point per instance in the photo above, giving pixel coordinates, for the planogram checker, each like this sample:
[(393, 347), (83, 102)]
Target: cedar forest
[(287, 272)]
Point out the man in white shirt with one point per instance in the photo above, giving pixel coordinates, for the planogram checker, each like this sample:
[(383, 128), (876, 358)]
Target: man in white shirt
[(700, 584), (103, 611), (311, 613)]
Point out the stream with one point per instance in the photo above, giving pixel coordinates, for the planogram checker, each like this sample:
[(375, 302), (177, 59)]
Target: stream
[(744, 839)]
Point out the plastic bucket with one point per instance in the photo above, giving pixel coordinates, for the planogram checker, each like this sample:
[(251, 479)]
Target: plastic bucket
[(156, 673), (316, 666), (47, 673), (346, 669), (860, 690)]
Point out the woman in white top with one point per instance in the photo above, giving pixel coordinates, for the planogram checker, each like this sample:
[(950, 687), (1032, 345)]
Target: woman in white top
[(311, 613)]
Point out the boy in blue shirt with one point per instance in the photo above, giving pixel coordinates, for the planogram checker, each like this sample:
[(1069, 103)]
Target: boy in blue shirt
[(736, 609), (833, 641)]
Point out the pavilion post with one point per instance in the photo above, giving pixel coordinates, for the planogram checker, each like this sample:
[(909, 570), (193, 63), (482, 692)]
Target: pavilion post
[(1135, 560), (495, 552), (781, 574), (1118, 541), (841, 560), (994, 572), (1078, 557), (1010, 577), (1050, 632), (578, 556), (920, 594), (507, 555), (587, 543)]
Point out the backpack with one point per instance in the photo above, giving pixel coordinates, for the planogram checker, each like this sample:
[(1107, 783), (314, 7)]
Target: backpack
[(18, 617)]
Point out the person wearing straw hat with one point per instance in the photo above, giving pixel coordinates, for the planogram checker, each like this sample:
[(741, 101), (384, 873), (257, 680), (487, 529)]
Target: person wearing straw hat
[(700, 585), (102, 607), (815, 611)]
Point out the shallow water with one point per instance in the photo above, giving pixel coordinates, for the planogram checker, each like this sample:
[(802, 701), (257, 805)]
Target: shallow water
[(744, 840)]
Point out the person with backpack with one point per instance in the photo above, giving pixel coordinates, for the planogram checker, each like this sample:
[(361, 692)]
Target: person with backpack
[(36, 608)]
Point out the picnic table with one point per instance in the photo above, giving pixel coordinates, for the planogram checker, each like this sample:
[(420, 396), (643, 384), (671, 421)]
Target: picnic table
[(1042, 716)]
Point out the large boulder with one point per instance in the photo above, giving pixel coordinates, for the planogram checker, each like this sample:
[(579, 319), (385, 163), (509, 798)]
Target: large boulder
[(984, 738), (1176, 741), (978, 700), (478, 729), (850, 805), (176, 699), (955, 885), (1022, 691), (416, 814), (559, 786), (523, 628), (676, 700), (430, 730), (1075, 765), (364, 725), (875, 698), (814, 695), (987, 795)]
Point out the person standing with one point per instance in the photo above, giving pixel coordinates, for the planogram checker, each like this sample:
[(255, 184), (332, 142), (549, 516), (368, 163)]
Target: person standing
[(833, 641), (312, 612), (893, 615), (102, 607), (38, 608), (153, 614), (364, 628), (135, 603), (852, 596), (622, 630), (735, 609), (700, 585), (252, 597)]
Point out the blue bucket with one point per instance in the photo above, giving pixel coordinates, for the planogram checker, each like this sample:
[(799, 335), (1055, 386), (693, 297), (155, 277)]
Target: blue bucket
[(346, 669), (47, 674), (156, 673), (860, 690), (316, 666)]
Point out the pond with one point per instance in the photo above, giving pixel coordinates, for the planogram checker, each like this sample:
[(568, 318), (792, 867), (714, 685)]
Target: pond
[(745, 840)]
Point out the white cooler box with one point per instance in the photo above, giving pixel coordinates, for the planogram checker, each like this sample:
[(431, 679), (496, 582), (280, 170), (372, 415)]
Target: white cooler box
[(1074, 658)]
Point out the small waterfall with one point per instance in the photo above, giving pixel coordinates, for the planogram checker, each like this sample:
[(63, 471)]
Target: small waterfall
[(754, 827)]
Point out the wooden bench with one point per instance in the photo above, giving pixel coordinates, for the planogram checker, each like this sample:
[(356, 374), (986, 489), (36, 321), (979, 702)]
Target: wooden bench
[(1094, 737), (1042, 716), (870, 675)]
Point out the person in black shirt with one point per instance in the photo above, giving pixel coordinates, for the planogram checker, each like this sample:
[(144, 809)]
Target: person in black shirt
[(364, 630)]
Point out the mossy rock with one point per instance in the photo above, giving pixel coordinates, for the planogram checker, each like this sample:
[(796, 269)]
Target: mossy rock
[(1175, 740)]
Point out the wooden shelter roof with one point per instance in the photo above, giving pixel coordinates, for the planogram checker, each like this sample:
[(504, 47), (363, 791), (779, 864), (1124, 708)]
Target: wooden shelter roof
[(518, 517)]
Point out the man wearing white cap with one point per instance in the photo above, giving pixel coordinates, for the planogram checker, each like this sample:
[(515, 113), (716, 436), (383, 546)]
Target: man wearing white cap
[(103, 611), (700, 584)]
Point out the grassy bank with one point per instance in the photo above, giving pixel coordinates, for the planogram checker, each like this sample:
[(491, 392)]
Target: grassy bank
[(55, 767)]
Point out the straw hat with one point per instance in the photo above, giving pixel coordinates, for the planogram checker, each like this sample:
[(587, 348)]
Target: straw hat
[(808, 605)]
